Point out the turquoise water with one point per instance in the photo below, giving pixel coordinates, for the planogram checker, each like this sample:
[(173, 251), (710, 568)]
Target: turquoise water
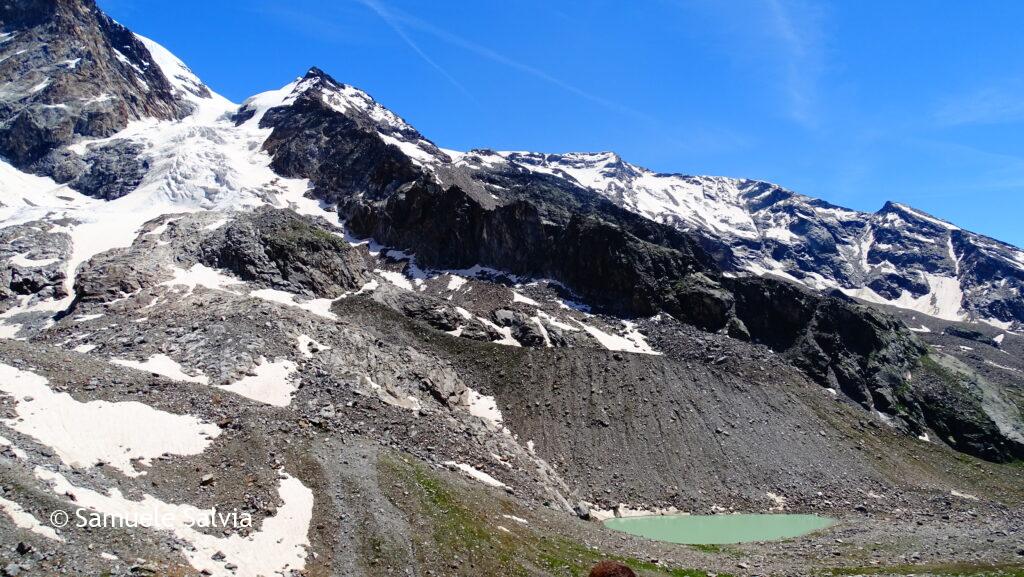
[(719, 529)]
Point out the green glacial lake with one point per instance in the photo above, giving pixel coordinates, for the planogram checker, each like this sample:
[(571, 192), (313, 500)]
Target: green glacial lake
[(719, 529)]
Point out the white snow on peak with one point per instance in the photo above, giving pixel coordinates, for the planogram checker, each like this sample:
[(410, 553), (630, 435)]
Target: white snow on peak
[(264, 101), (347, 99), (922, 216), (201, 162), (707, 202), (181, 77)]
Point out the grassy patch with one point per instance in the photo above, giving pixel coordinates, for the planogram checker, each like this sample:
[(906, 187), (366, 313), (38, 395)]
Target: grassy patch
[(459, 532), (563, 557)]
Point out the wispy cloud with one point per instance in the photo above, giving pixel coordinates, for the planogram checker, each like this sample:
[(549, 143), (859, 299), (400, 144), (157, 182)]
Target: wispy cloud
[(397, 17), (779, 43), (393, 23), (797, 30), (338, 28), (999, 104)]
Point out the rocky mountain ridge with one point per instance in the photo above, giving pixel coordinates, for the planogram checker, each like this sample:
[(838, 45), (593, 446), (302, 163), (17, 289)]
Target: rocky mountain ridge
[(301, 308), (898, 256)]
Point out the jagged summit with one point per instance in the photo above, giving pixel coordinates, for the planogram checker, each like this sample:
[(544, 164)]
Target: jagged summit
[(920, 217), (316, 72)]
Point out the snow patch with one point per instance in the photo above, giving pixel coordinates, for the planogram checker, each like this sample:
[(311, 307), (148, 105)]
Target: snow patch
[(396, 278), (484, 407), (86, 433), (201, 275), (277, 548), (631, 341), (22, 260), (415, 153), (778, 500), (217, 224), (455, 282), (320, 307), (87, 318), (271, 383), (307, 346), (39, 87), (943, 300), (163, 365), (475, 473), (518, 298), (506, 334), (25, 520), (14, 449)]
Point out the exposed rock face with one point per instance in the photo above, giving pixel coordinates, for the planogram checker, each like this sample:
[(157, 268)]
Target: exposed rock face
[(73, 72), (612, 260), (340, 153), (280, 249), (33, 264), (106, 171), (964, 408), (616, 262)]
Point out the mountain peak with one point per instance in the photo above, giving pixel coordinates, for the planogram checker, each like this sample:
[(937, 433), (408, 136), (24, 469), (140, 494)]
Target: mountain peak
[(318, 75), (892, 207)]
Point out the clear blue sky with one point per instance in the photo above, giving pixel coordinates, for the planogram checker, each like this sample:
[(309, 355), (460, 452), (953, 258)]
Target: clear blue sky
[(855, 102)]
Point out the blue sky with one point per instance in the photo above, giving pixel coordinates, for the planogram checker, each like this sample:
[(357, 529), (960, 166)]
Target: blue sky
[(857, 103)]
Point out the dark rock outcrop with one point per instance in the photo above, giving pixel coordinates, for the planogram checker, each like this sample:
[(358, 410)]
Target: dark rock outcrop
[(34, 264), (71, 71), (967, 334), (282, 250)]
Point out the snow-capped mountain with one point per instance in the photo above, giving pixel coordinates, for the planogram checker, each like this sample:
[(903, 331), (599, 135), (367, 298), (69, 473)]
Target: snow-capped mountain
[(897, 256), (302, 309)]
